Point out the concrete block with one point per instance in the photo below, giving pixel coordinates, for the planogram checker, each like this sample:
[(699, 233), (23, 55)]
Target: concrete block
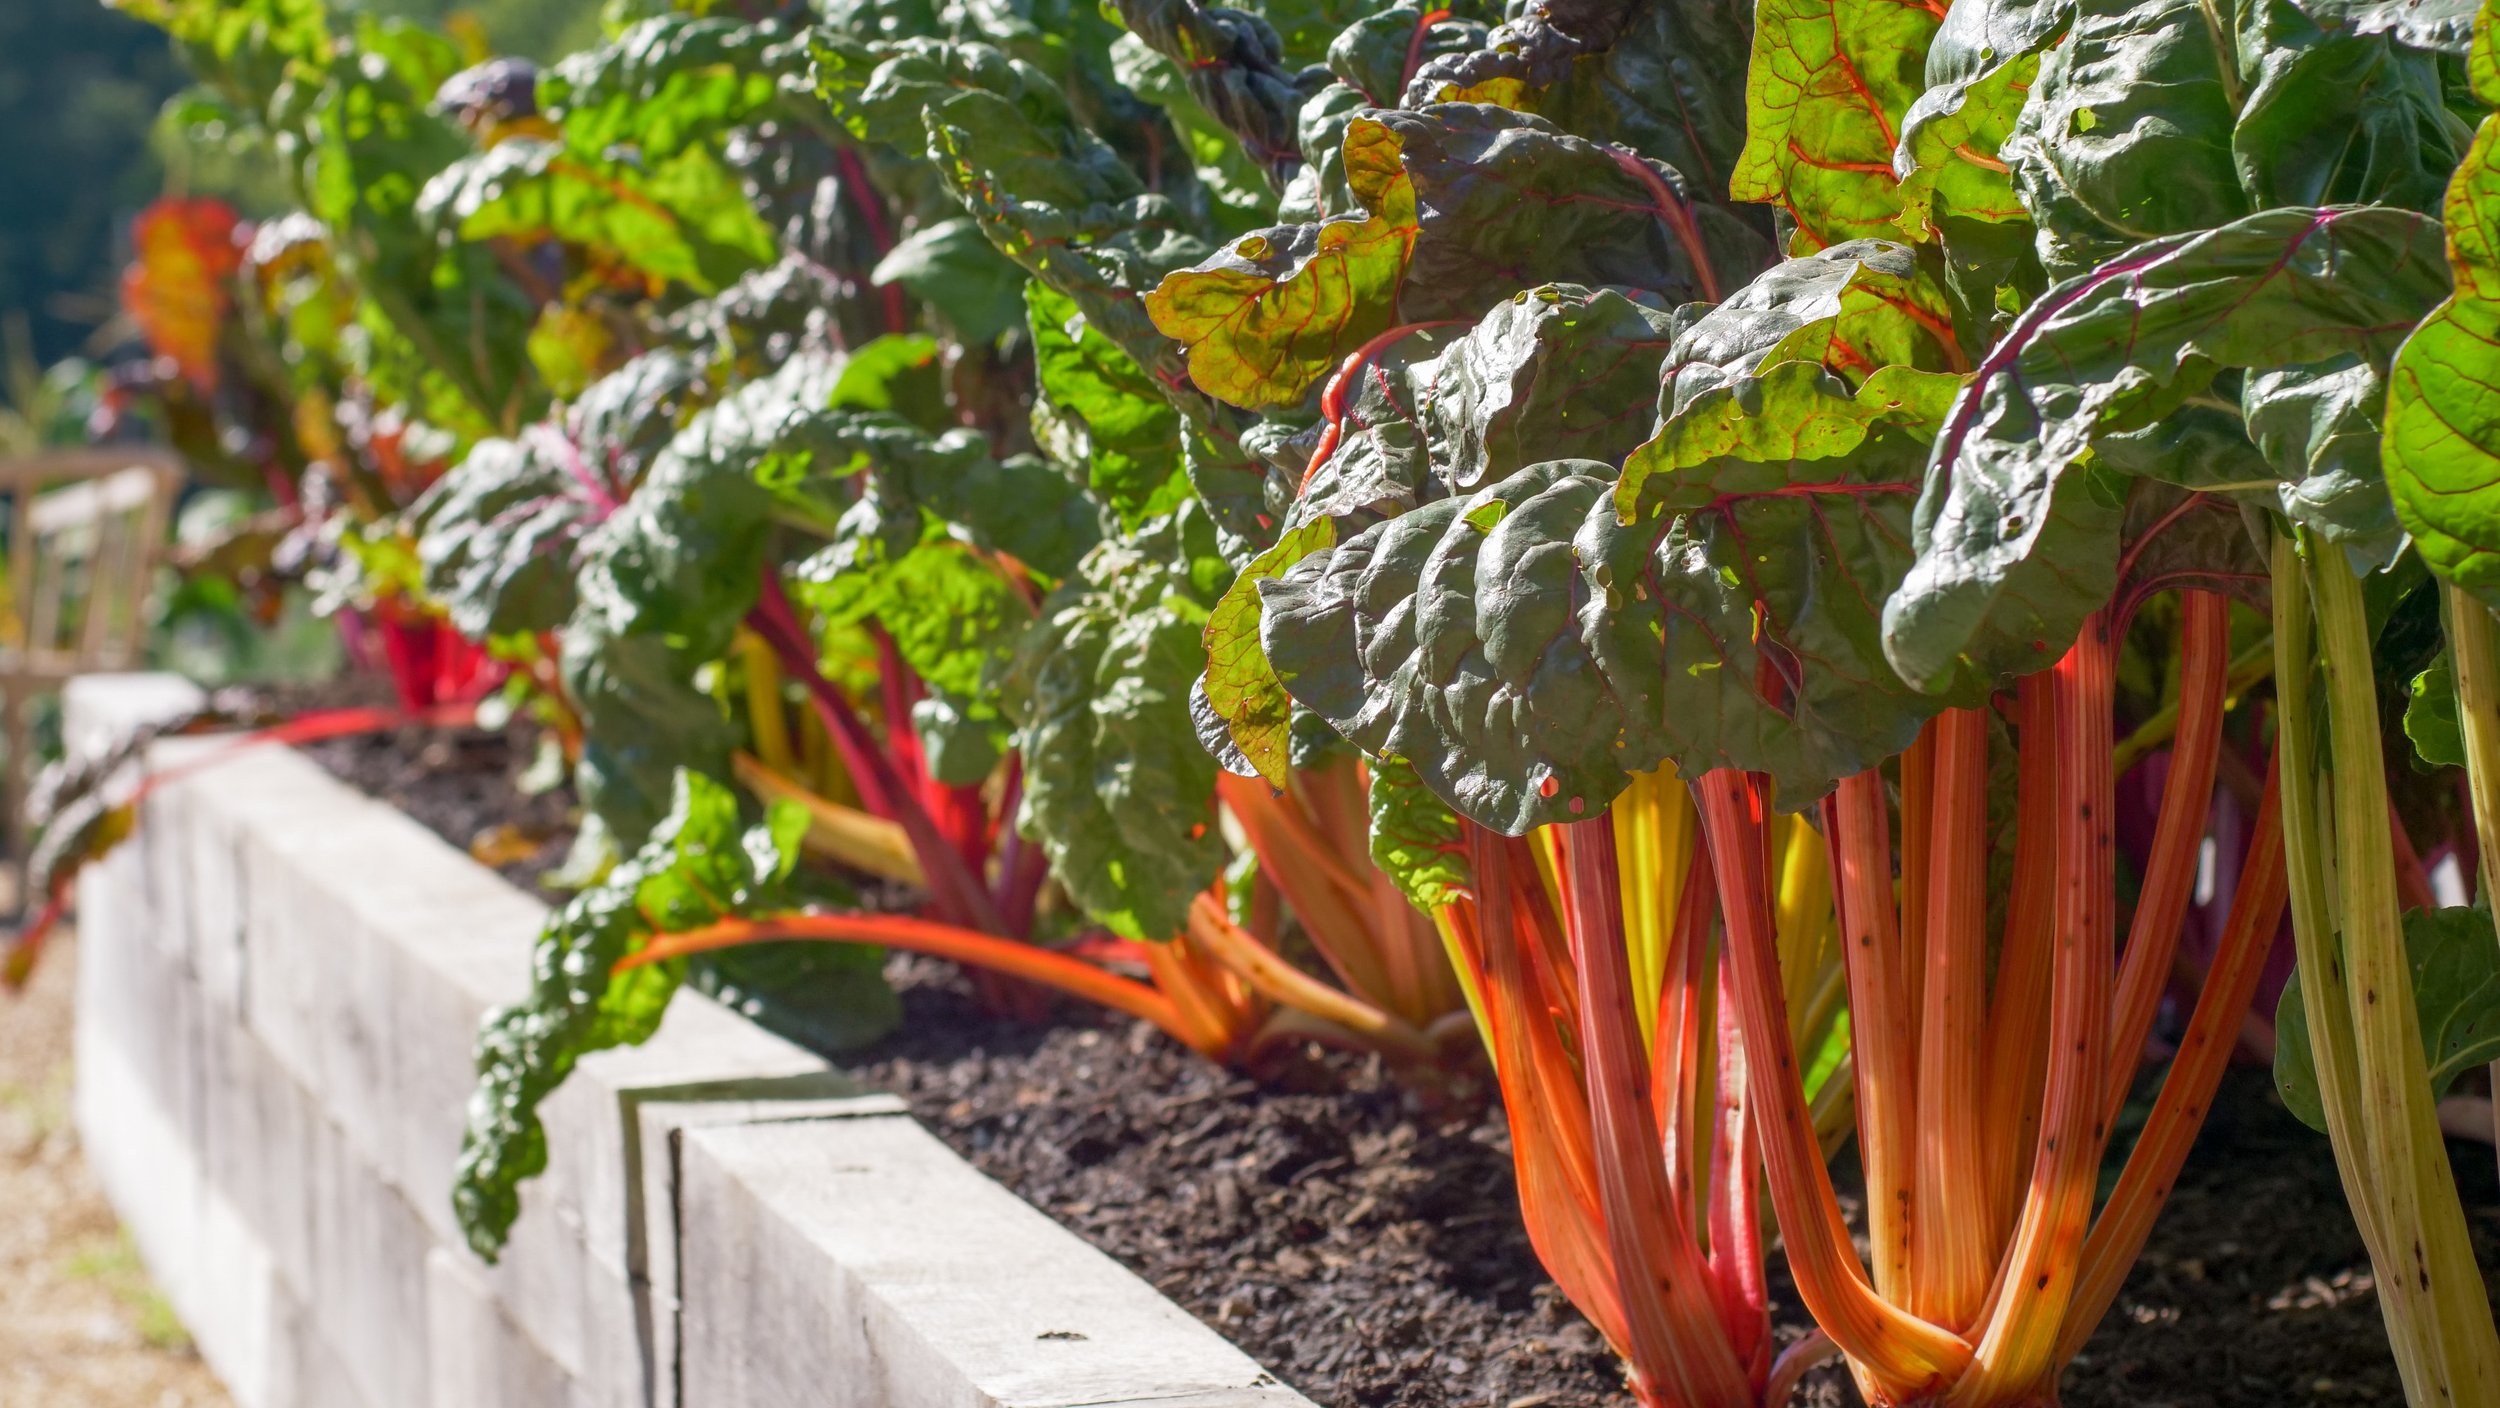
[(259, 1133), (134, 999), (304, 1369), (368, 1293), (860, 1264), (480, 1359), (662, 1118)]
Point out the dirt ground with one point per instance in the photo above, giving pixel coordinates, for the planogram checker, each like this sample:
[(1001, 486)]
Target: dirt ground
[(80, 1324)]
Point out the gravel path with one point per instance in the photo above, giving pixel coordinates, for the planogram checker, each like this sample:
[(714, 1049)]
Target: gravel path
[(80, 1324)]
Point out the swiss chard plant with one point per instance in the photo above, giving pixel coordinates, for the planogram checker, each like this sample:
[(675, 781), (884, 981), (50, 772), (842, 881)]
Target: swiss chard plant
[(1652, 532)]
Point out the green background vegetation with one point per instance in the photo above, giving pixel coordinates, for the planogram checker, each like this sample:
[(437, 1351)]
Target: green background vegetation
[(81, 90)]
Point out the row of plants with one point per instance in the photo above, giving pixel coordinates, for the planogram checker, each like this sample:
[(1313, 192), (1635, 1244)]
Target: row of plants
[(1702, 560)]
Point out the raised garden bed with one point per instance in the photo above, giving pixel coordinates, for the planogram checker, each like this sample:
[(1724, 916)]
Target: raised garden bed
[(279, 980), (1364, 1247)]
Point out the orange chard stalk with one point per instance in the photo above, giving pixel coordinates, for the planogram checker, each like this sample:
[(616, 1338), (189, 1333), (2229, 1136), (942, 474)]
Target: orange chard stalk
[(1984, 1286)]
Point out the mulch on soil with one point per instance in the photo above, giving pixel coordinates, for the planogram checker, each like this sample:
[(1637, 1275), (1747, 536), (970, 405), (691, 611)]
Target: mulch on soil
[(1365, 1246)]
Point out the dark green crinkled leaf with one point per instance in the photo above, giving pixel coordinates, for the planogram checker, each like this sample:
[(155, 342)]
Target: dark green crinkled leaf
[(1529, 650), (2140, 125), (1853, 308), (1116, 787), (2017, 527), (1665, 79), (702, 863), (1383, 458), (1556, 372), (1376, 54), (1415, 837), (1507, 201), (497, 536), (2445, 25), (2455, 958), (2127, 134), (1235, 67), (1238, 196)]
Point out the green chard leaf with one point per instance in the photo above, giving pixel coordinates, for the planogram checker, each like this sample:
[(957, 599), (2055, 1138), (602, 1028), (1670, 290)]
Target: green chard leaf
[(1556, 372), (1854, 307), (2150, 120), (633, 173), (498, 535), (667, 578), (1241, 687), (1982, 65), (1663, 79), (1099, 410), (1415, 838), (701, 864), (1117, 788), (2432, 722), (951, 266), (2442, 445), (1531, 646), (949, 612), (1828, 91), (2019, 525), (2443, 25), (1465, 204), (2455, 957), (1233, 63)]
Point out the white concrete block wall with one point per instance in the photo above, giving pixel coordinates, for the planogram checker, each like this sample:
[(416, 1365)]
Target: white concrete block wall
[(280, 984)]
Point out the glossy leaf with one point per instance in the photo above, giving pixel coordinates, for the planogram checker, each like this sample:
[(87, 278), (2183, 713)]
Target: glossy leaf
[(1666, 80), (1556, 372), (702, 863), (1271, 313), (2017, 527), (1528, 649), (1854, 308), (2148, 121), (2445, 25)]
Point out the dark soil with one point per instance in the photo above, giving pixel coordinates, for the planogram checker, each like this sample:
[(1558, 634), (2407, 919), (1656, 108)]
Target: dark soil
[(464, 785), (1364, 1245)]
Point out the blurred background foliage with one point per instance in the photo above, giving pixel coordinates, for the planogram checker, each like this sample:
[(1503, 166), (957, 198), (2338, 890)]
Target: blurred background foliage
[(83, 95), (94, 104)]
